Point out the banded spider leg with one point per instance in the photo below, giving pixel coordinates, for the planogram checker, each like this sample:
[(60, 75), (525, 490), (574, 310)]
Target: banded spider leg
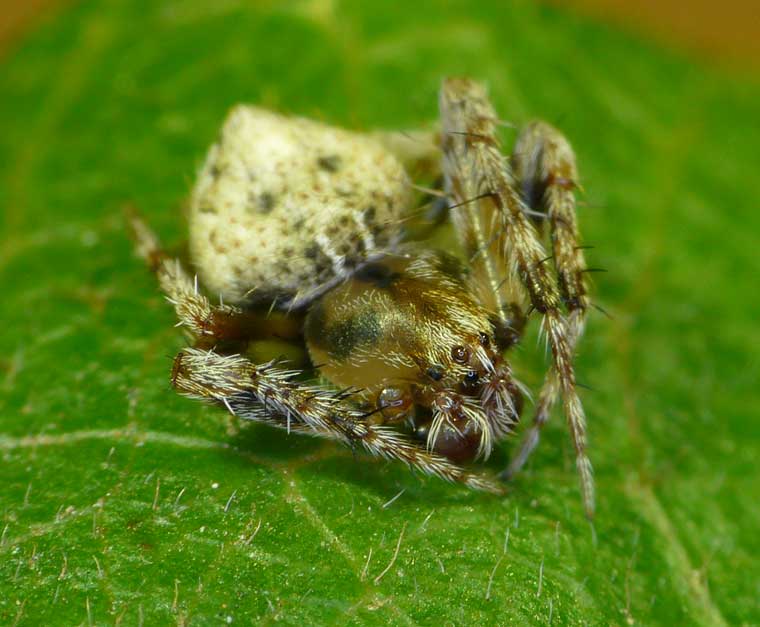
[(509, 260)]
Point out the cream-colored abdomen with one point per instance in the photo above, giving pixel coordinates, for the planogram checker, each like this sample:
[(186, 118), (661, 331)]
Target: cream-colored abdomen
[(285, 206)]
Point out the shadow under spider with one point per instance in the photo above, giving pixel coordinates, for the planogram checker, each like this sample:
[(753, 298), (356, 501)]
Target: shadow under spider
[(310, 456)]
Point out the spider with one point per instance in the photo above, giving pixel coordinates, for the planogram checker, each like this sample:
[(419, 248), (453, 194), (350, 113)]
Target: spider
[(409, 342)]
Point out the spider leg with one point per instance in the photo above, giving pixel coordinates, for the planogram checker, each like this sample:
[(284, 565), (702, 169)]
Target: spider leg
[(546, 170), (270, 394), (477, 172), (477, 220), (208, 325)]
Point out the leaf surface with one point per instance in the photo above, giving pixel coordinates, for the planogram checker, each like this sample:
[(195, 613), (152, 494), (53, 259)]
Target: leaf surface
[(122, 502)]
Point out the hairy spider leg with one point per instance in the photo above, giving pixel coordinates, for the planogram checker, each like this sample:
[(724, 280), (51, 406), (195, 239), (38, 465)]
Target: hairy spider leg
[(546, 170), (221, 326), (479, 229), (472, 153), (270, 394)]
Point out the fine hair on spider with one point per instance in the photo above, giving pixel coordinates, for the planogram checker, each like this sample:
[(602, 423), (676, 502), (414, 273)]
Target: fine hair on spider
[(409, 342)]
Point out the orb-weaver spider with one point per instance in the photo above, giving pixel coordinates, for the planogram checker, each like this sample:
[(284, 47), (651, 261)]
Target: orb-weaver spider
[(293, 214)]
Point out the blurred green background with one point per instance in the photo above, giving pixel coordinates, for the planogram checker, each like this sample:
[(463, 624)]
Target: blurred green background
[(122, 503)]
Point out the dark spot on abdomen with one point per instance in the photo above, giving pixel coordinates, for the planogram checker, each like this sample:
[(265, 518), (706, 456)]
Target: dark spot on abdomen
[(266, 202), (330, 163)]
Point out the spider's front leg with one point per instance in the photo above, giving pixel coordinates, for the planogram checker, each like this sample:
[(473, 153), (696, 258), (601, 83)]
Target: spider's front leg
[(547, 175), (480, 178), (270, 394)]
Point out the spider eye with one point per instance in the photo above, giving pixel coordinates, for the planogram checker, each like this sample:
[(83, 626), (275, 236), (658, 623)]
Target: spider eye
[(460, 354), (483, 339), (471, 378), (435, 373)]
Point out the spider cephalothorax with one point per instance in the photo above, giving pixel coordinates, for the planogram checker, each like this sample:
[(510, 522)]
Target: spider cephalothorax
[(409, 342), (405, 330)]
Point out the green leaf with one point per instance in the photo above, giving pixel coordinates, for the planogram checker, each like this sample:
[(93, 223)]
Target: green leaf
[(123, 502)]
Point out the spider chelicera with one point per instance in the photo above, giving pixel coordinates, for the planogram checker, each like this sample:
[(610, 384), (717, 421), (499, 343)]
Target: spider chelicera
[(409, 342)]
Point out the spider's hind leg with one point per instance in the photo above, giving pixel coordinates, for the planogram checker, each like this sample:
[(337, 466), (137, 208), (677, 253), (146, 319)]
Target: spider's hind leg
[(547, 176), (224, 327)]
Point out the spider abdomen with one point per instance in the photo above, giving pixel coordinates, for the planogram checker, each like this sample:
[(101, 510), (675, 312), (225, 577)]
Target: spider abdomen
[(284, 207)]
